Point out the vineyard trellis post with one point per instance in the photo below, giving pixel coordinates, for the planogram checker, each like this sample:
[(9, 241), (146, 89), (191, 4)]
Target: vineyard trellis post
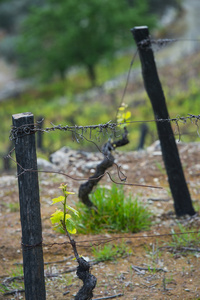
[(30, 215), (176, 178)]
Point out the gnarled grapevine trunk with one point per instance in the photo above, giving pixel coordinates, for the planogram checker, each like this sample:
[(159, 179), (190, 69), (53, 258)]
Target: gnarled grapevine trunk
[(86, 188)]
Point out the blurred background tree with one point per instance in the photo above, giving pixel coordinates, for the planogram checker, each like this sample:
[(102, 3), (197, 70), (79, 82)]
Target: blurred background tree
[(12, 15), (62, 34), (47, 37)]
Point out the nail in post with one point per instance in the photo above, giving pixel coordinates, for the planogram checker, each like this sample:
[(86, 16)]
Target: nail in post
[(178, 186), (29, 208)]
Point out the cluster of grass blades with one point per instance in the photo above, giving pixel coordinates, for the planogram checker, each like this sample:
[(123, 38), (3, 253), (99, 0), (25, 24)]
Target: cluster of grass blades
[(110, 252), (16, 284), (188, 237), (115, 213)]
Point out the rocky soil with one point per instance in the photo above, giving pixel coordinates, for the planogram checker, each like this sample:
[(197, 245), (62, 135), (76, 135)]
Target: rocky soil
[(148, 269)]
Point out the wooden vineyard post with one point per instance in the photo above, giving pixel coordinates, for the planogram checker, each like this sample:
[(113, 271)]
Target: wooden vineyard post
[(29, 207), (176, 178)]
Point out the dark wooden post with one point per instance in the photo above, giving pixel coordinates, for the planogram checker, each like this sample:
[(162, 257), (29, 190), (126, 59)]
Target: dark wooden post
[(29, 208), (178, 186), (143, 134), (6, 163)]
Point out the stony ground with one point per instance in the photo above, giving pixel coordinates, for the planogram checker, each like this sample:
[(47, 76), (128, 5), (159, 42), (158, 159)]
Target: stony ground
[(148, 269)]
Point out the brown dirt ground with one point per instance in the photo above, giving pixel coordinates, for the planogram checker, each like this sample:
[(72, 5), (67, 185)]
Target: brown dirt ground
[(181, 279)]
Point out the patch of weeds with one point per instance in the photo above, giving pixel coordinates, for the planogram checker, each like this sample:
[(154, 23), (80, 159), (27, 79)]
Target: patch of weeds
[(115, 212), (4, 288), (185, 239), (197, 206), (109, 251), (8, 193), (65, 282), (16, 283), (166, 281), (17, 271), (13, 207), (152, 270), (169, 279), (154, 257)]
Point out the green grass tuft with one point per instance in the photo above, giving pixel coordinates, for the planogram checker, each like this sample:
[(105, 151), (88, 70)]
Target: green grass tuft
[(185, 239), (115, 213), (109, 251)]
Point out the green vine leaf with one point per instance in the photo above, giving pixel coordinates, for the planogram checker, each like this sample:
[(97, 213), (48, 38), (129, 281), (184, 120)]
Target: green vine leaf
[(68, 193), (59, 199), (70, 226), (126, 115), (73, 210), (61, 220), (57, 217), (123, 116)]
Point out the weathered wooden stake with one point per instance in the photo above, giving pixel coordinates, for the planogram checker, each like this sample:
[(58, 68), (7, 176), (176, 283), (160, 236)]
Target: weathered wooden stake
[(29, 208), (143, 134), (178, 186)]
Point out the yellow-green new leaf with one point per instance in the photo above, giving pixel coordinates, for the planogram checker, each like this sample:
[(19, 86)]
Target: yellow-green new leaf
[(69, 193), (73, 231), (70, 225), (67, 216), (127, 115), (59, 199), (57, 217), (63, 186)]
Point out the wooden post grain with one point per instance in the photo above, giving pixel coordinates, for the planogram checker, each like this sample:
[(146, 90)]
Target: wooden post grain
[(178, 186), (29, 208)]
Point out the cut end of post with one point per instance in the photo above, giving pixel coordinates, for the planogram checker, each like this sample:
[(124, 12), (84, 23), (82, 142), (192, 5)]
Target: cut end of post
[(140, 33), (22, 115), (139, 28), (23, 119)]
